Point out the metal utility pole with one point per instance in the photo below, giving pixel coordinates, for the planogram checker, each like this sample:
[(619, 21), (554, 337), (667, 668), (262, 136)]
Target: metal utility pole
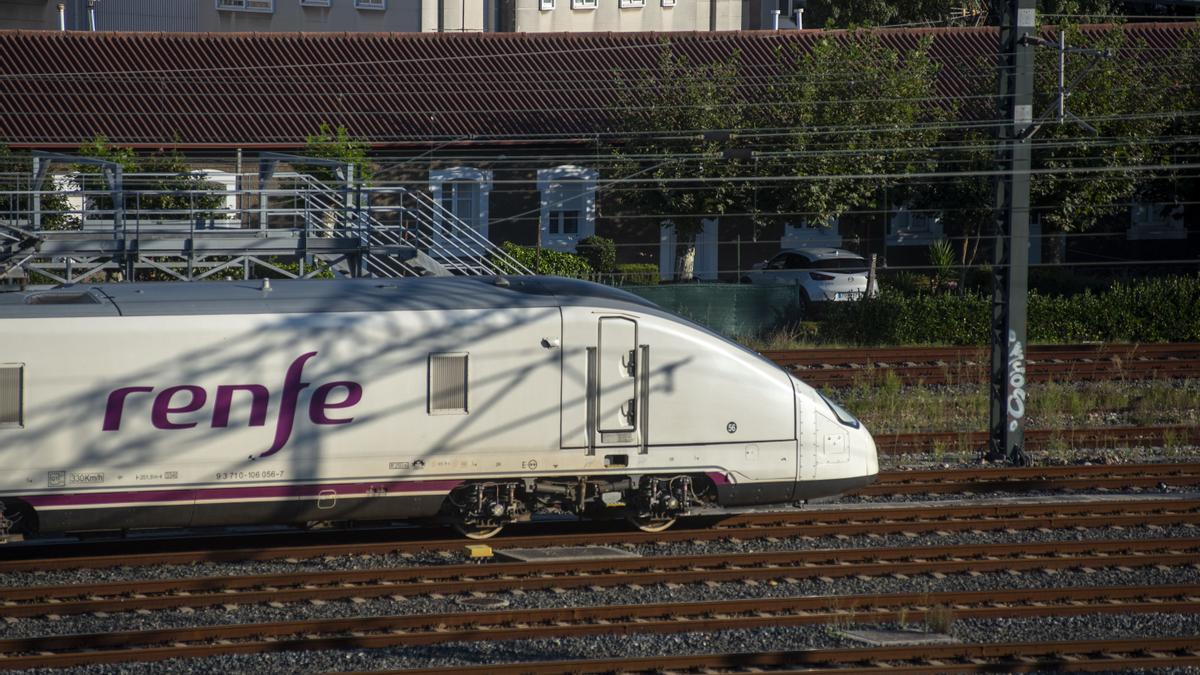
[(1011, 264)]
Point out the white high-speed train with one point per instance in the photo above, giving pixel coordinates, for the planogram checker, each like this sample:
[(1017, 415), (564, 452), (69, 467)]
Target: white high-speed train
[(474, 401)]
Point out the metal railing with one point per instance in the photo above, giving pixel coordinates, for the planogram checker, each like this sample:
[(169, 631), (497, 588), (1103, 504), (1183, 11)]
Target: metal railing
[(80, 230)]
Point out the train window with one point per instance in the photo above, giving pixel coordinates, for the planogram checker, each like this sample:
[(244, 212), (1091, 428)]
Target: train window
[(12, 395), (448, 384), (840, 412), (85, 298)]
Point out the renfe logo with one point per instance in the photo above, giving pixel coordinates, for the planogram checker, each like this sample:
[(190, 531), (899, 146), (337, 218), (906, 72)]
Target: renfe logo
[(167, 403)]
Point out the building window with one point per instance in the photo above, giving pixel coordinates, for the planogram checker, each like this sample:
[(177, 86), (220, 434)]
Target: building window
[(370, 4), (668, 3), (247, 5), (1158, 220), (463, 193), (583, 4), (546, 5), (625, 4), (914, 229), (568, 205), (315, 3), (807, 235)]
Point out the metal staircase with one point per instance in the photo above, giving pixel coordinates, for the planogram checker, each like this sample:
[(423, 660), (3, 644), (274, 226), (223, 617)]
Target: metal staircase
[(289, 216)]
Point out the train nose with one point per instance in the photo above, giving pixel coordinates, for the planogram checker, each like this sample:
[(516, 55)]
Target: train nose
[(864, 447)]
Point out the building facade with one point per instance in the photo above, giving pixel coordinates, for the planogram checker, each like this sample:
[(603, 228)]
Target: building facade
[(378, 16)]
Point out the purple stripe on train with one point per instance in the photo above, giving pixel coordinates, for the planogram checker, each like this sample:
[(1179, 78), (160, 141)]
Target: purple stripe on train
[(189, 398), (150, 497)]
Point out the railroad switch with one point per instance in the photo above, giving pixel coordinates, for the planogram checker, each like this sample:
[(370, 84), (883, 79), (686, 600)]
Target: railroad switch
[(479, 551)]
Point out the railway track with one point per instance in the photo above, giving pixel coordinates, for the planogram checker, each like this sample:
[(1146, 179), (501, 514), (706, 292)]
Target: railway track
[(1094, 655), (948, 365), (1035, 478), (787, 567), (424, 629), (1041, 439), (811, 522)]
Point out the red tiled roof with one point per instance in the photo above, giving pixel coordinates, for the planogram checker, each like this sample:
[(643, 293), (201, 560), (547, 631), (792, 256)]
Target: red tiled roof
[(259, 89)]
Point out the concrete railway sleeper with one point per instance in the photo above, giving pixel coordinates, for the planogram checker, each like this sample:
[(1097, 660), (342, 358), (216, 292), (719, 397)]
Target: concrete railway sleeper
[(1097, 655), (500, 577), (914, 518), (389, 631)]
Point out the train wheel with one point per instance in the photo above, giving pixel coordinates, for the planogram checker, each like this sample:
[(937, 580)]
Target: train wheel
[(477, 531), (650, 524)]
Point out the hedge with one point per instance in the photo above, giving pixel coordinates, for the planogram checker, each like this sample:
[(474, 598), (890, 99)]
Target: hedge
[(1163, 309), (644, 274), (554, 263)]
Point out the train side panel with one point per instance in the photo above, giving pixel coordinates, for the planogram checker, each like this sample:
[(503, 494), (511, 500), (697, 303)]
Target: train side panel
[(272, 417)]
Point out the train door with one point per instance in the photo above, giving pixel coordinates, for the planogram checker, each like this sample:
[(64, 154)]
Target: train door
[(616, 390)]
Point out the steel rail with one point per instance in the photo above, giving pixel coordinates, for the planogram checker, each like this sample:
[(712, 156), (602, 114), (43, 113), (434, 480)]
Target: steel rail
[(1040, 439), (947, 365), (1025, 479), (907, 518), (1090, 655), (389, 631), (869, 356), (789, 566)]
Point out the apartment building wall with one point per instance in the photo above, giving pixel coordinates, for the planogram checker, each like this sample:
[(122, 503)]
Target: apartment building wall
[(529, 16), (217, 15), (545, 16)]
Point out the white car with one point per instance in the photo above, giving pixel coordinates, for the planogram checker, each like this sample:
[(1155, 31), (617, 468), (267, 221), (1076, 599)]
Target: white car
[(824, 274)]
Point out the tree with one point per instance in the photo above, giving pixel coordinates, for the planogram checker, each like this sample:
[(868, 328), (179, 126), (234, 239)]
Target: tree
[(1182, 81), (1122, 98), (678, 119), (856, 13), (162, 185), (16, 202), (337, 144), (854, 112)]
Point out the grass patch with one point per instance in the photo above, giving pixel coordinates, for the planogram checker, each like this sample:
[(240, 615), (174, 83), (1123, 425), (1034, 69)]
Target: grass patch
[(885, 405)]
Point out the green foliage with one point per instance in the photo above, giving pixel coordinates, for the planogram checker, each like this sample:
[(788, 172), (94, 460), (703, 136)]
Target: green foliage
[(551, 263), (100, 148), (599, 252), (185, 190), (898, 319), (638, 274), (1175, 185), (1148, 310), (15, 170), (1114, 96), (337, 144), (851, 13), (174, 192), (941, 257), (664, 112), (886, 104), (683, 125)]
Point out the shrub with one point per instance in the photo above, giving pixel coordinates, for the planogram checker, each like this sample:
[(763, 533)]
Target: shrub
[(599, 252), (552, 263), (1165, 309), (895, 318), (637, 274)]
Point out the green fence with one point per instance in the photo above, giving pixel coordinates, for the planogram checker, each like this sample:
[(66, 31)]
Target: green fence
[(729, 309)]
